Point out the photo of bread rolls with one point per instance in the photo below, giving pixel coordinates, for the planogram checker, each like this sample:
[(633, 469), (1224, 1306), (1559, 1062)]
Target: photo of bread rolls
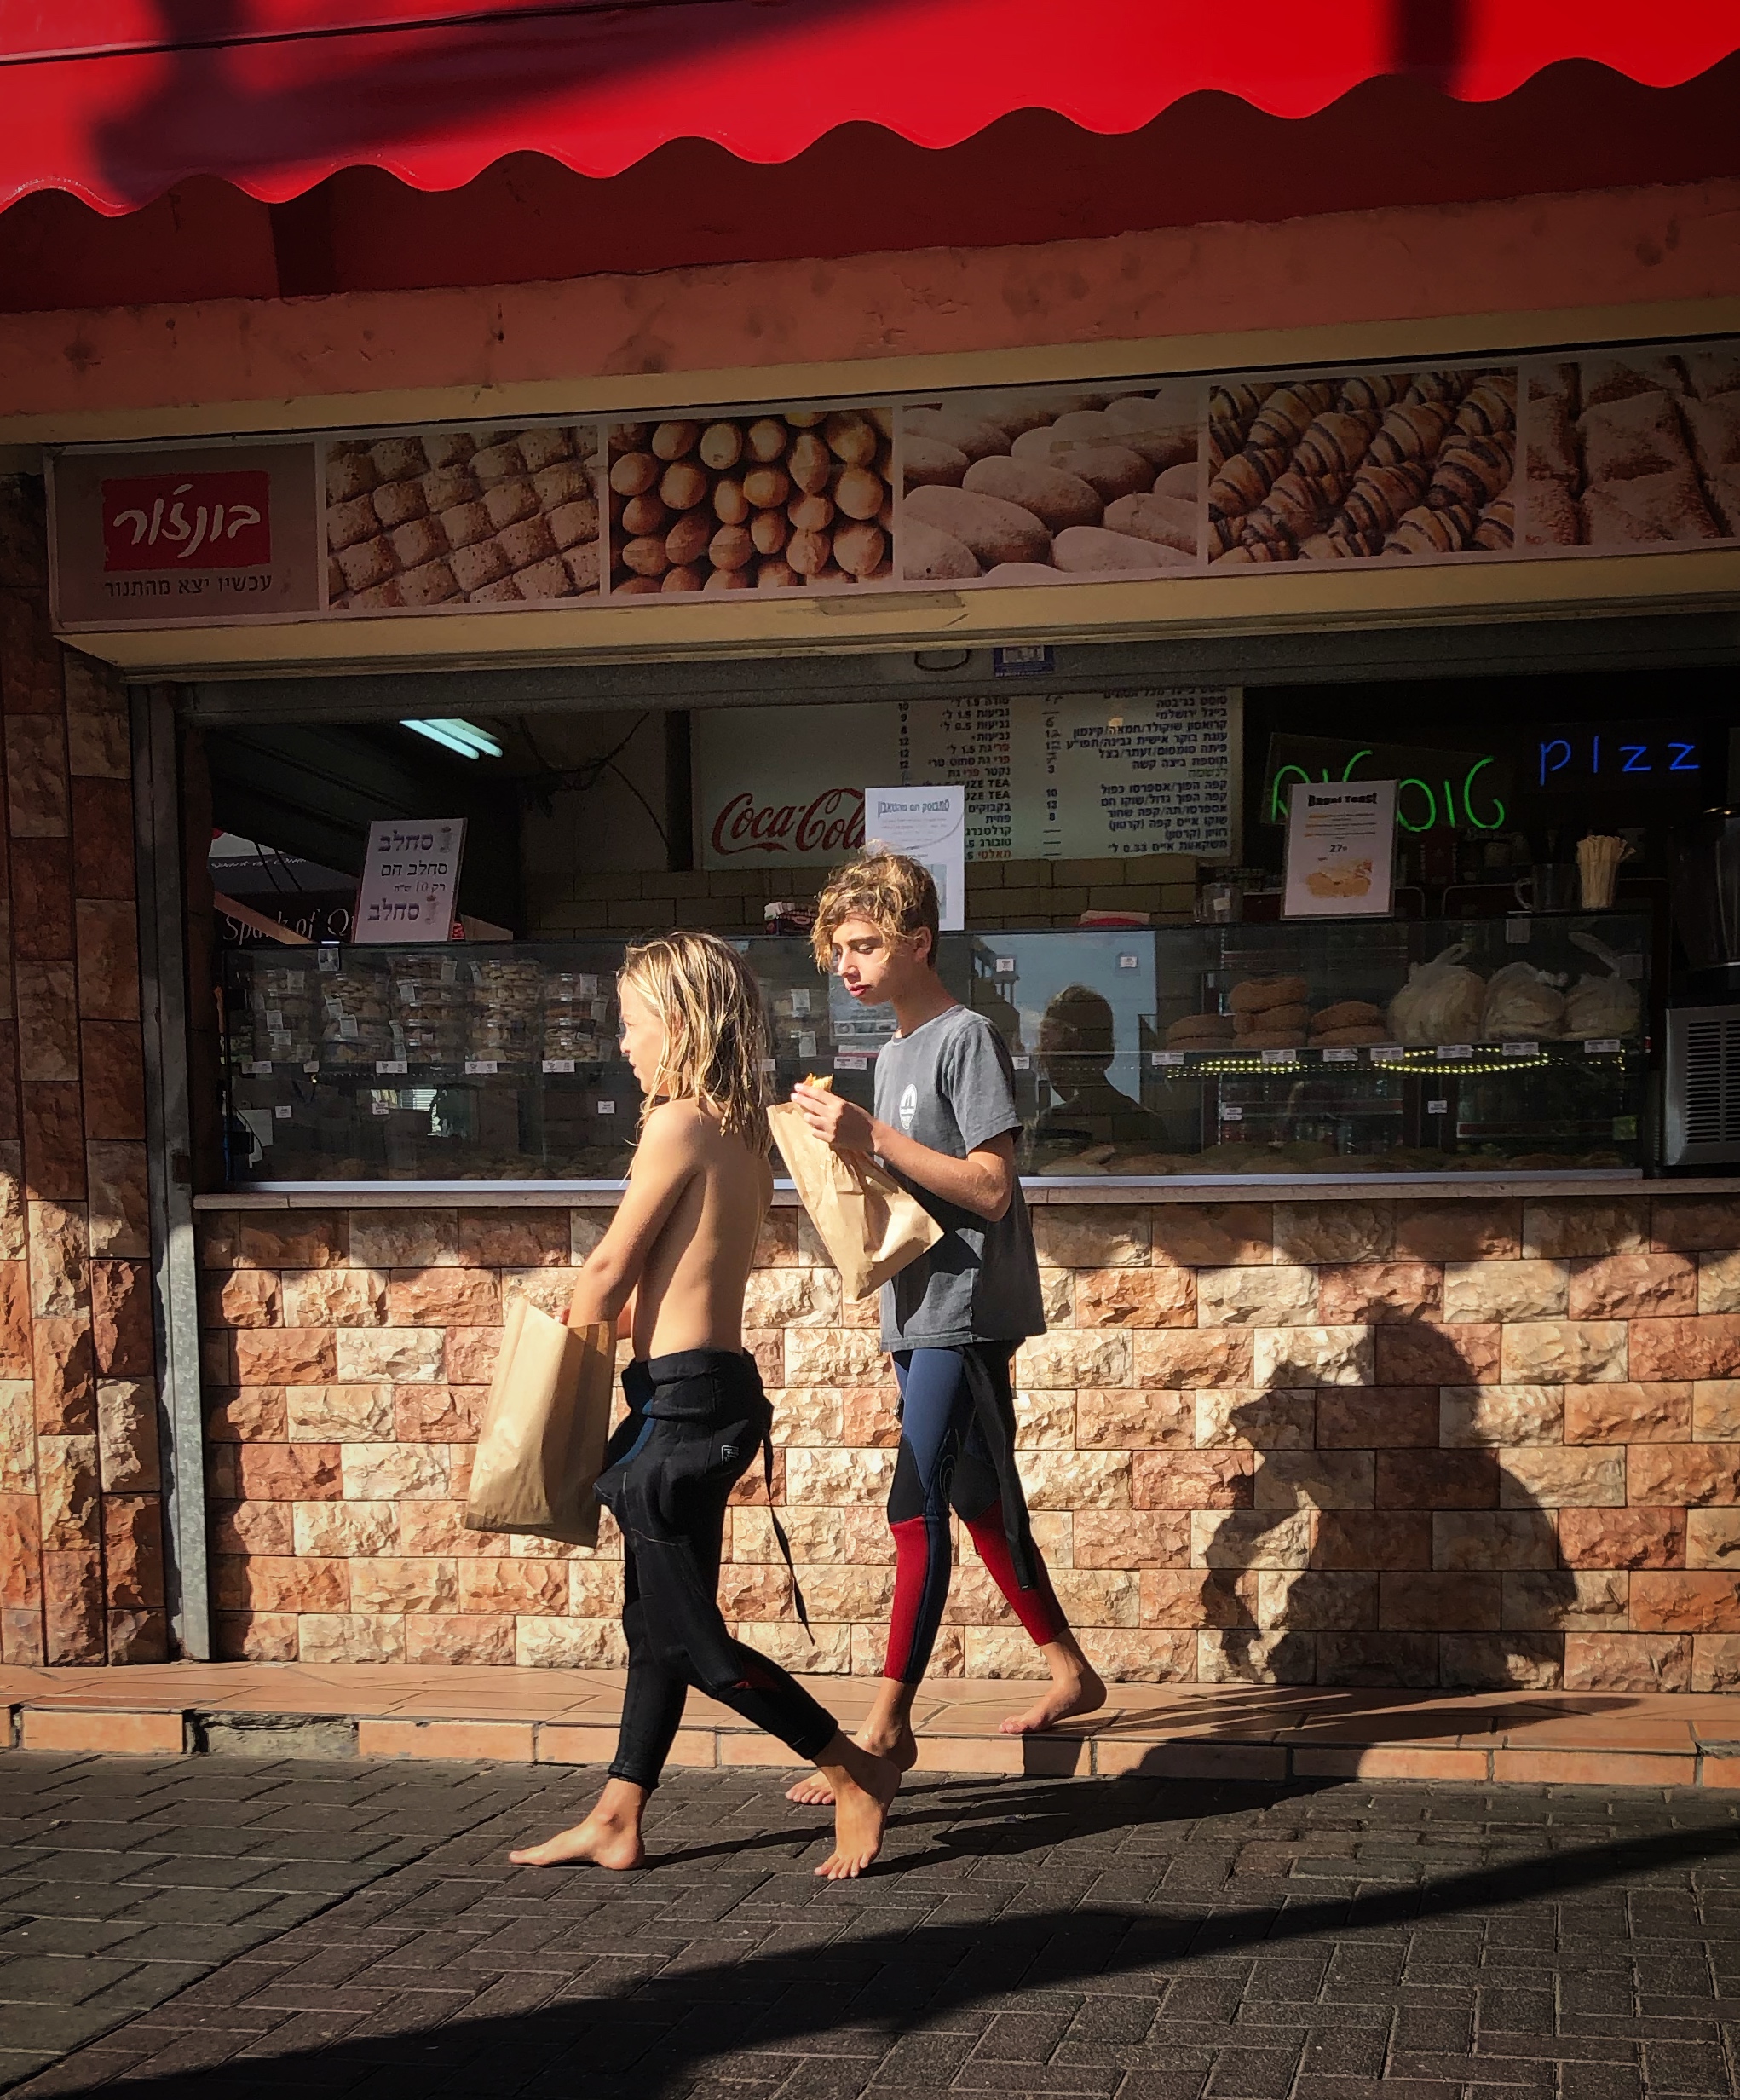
[(444, 517), (1632, 448), (1015, 487), (777, 500)]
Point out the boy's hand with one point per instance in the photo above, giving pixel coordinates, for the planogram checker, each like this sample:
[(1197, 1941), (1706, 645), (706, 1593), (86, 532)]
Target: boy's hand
[(842, 1123)]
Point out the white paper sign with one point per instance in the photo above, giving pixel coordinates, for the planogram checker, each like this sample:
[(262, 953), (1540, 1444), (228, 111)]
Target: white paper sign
[(410, 878), (930, 824), (1341, 849)]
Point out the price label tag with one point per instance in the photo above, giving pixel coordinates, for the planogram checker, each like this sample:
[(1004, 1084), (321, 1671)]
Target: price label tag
[(1232, 1115), (1280, 1056), (800, 1001), (1516, 929), (1129, 962), (558, 1065), (312, 1067), (851, 1064), (1382, 1050), (327, 959), (1021, 1065), (806, 1046), (1606, 1046), (1005, 965), (281, 1113), (1166, 1057), (382, 1108), (480, 1068), (1520, 1049), (604, 1107), (390, 1065), (1448, 1051), (1437, 1108), (1340, 1057), (259, 1071)]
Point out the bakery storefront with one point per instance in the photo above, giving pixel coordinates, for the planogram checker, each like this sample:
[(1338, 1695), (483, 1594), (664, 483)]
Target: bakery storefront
[(1393, 1264)]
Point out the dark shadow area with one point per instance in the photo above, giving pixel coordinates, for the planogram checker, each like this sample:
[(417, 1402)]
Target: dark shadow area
[(647, 2037)]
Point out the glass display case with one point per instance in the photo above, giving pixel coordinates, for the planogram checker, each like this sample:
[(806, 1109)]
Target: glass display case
[(1516, 1045)]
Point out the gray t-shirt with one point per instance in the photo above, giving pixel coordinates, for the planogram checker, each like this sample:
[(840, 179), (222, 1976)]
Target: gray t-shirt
[(950, 1085)]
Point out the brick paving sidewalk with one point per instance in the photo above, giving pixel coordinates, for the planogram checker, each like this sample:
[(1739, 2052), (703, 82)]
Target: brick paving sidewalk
[(220, 1927)]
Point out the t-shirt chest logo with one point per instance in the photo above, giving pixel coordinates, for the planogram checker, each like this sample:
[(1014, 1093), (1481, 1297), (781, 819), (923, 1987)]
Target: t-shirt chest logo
[(908, 1108)]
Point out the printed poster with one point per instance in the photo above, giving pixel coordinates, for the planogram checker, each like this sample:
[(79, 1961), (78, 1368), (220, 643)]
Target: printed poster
[(1341, 849)]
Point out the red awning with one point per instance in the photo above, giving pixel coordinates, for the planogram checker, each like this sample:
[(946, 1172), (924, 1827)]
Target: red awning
[(116, 101)]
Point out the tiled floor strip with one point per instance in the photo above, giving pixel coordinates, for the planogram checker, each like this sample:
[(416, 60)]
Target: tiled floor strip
[(569, 1717)]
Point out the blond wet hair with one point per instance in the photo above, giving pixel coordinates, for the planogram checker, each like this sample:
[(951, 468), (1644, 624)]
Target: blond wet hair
[(889, 889), (716, 1042)]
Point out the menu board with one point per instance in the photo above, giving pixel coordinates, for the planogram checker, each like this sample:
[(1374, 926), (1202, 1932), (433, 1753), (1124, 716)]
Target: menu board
[(1048, 775)]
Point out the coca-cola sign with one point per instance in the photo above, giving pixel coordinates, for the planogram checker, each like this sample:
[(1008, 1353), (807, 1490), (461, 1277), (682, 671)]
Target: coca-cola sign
[(831, 823)]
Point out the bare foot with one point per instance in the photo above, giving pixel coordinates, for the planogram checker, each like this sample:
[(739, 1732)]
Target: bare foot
[(602, 1840), (900, 1748), (1081, 1691), (863, 1788)]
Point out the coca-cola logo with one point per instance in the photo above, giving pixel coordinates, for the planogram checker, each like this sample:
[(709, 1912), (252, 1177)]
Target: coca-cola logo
[(206, 521), (832, 823)]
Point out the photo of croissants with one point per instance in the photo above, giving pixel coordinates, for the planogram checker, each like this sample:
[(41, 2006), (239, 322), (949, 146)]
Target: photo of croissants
[(461, 517), (1632, 448), (1371, 464)]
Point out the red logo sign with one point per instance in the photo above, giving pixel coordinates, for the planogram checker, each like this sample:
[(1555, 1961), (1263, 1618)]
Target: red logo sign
[(192, 521), (833, 822)]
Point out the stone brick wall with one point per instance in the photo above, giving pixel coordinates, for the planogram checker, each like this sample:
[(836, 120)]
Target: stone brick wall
[(81, 1536), (1460, 1442), (726, 900)]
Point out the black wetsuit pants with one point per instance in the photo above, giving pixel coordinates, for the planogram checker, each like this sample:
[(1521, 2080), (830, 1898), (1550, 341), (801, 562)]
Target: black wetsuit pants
[(696, 1421)]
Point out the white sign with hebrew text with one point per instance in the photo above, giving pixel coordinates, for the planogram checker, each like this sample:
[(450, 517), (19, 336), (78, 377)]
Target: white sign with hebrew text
[(410, 880)]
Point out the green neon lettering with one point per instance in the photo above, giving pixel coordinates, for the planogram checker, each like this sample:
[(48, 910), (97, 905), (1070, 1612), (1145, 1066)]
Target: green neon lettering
[(1278, 808), (1431, 806), (1479, 824), (1347, 769)]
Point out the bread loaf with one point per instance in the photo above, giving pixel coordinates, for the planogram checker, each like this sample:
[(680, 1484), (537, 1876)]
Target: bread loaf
[(1254, 995)]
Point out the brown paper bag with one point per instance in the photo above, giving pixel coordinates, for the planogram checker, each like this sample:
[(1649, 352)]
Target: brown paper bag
[(868, 1222), (541, 1445)]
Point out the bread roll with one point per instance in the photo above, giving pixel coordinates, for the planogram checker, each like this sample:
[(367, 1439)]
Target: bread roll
[(1254, 995)]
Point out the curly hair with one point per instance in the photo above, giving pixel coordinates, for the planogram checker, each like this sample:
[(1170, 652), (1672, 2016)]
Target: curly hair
[(717, 1040), (889, 889)]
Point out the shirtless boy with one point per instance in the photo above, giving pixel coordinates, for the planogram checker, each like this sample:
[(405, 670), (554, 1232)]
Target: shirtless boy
[(679, 1246), (945, 1127)]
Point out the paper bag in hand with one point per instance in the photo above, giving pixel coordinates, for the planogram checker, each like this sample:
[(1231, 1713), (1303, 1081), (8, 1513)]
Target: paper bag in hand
[(545, 1425), (868, 1222)]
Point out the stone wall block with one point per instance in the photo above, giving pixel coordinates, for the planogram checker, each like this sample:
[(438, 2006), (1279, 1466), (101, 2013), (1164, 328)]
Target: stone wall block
[(1458, 1230), (1269, 1297), (122, 1331), (1715, 1662), (867, 1418), (444, 1297), (1161, 1296), (286, 1356), (1506, 1290), (1627, 1662), (436, 1413), (405, 1239), (1420, 1353), (1415, 1479), (1715, 1410), (469, 1356), (825, 1478), (1685, 1600), (1194, 1481), (1563, 1352), (244, 1298), (1134, 1419), (1409, 1660), (68, 1486), (1197, 1596), (1257, 1657), (1624, 1413), (459, 1637), (1584, 1601), (65, 1377), (256, 1636), (513, 1586), (550, 1289), (1369, 1291), (1130, 1538), (807, 1415), (836, 1356), (1553, 1475), (102, 837), (36, 774), (338, 1413), (253, 1526), (1184, 1359), (74, 1619), (1494, 1540), (40, 920), (18, 1437), (328, 1637), (404, 1585), (1707, 1346), (1334, 1232), (352, 1296), (1499, 1415), (1315, 1479), (20, 1551), (1680, 1476), (120, 1199), (352, 1529), (1557, 1225), (54, 1141), (1712, 1538), (1073, 1358), (1515, 1662), (14, 1320), (1431, 1601), (503, 1239), (1252, 1538), (288, 1472), (1076, 1479), (1693, 1224), (1626, 1538), (1314, 1356), (1045, 1420), (59, 1259), (1248, 1417), (1148, 1655), (295, 1239), (1717, 1284), (48, 1021), (1635, 1286), (792, 1297), (138, 1637), (1317, 1599), (1372, 1538), (127, 1438), (388, 1472), (15, 1230), (132, 1569), (108, 959), (1112, 1236), (1376, 1418), (99, 744), (1206, 1235), (246, 1415), (112, 1071)]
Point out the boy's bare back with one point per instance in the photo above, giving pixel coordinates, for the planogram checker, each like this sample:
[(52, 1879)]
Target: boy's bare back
[(706, 1195)]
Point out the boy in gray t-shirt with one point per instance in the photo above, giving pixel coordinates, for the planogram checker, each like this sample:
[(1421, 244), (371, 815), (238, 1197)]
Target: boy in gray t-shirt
[(945, 1127)]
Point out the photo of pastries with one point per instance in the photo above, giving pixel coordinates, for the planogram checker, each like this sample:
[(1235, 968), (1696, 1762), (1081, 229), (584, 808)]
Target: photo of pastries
[(1632, 448), (1017, 487), (453, 517), (786, 499), (1383, 463)]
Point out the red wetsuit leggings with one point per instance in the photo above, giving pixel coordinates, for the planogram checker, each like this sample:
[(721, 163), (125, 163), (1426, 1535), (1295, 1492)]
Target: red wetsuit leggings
[(943, 1461)]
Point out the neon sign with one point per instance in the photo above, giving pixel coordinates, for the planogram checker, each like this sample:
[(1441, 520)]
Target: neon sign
[(1436, 790)]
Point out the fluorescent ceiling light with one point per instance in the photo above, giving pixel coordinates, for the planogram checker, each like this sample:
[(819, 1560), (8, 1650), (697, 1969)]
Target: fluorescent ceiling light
[(454, 735)]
